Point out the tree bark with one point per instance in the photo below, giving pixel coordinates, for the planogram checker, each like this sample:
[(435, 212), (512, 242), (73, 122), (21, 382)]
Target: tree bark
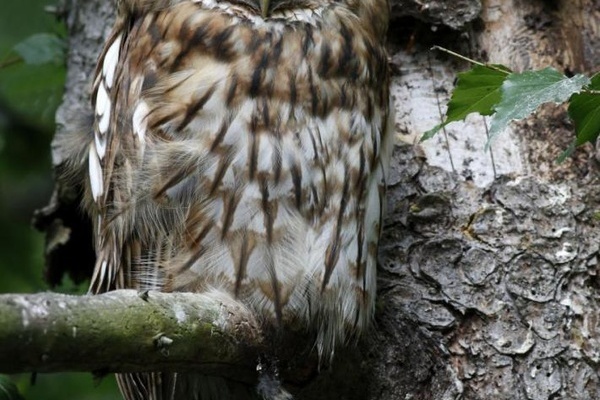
[(488, 281)]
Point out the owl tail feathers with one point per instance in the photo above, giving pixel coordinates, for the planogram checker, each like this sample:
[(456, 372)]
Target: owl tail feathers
[(186, 386), (191, 386), (269, 387), (202, 387)]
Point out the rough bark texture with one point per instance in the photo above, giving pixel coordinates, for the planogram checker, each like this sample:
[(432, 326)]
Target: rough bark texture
[(488, 282)]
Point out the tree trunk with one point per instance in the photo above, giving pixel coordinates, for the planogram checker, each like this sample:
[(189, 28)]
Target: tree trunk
[(487, 283)]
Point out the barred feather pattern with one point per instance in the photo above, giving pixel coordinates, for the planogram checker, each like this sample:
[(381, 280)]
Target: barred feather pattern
[(245, 156)]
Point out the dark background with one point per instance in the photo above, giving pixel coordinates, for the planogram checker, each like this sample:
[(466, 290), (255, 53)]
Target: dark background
[(29, 96)]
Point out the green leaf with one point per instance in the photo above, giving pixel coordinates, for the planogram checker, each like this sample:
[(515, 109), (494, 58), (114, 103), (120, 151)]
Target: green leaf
[(42, 48), (431, 133), (477, 91), (524, 93), (33, 92), (584, 110)]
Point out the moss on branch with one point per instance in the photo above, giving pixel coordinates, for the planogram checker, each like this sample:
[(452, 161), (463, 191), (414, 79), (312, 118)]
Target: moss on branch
[(124, 331)]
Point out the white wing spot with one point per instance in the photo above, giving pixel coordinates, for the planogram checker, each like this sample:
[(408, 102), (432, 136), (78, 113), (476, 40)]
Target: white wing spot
[(103, 270), (102, 111), (95, 173), (102, 100), (100, 145), (104, 120), (110, 61), (140, 122)]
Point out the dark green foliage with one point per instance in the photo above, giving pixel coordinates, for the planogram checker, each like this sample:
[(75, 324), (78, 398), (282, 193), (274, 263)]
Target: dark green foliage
[(584, 109), (42, 48), (32, 75), (495, 91), (8, 389)]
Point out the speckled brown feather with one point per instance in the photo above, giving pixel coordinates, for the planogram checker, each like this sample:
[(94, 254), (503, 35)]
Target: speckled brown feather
[(243, 156)]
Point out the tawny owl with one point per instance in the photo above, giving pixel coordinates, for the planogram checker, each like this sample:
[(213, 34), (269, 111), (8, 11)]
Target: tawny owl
[(240, 149)]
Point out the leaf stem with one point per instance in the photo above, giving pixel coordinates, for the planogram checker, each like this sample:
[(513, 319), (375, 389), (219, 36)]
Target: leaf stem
[(470, 60), (10, 61)]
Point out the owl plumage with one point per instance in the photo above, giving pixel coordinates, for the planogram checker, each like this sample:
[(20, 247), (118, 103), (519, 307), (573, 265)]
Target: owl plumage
[(241, 148)]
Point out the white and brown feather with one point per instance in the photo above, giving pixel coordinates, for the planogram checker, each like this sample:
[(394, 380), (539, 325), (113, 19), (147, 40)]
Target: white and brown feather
[(246, 156)]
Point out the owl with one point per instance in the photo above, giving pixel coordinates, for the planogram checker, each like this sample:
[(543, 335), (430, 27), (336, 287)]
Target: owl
[(240, 150)]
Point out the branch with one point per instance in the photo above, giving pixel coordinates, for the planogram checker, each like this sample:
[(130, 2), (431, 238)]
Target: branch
[(124, 331)]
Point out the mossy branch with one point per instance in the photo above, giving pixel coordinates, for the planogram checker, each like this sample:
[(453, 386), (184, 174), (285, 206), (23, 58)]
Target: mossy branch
[(124, 331)]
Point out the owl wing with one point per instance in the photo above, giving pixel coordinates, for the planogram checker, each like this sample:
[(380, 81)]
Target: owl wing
[(134, 173), (114, 156), (118, 183), (108, 272)]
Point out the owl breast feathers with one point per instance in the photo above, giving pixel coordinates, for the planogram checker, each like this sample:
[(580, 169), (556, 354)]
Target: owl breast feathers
[(244, 150)]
